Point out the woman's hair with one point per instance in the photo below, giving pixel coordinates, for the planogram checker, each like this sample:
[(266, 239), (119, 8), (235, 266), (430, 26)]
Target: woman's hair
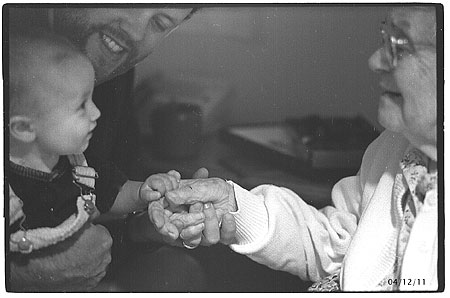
[(30, 54)]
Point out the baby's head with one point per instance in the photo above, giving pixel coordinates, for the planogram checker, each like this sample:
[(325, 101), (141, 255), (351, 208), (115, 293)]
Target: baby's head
[(50, 88)]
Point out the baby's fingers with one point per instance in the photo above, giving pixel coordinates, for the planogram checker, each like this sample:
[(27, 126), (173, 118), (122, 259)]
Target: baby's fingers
[(165, 182), (149, 195), (172, 179), (160, 183), (175, 174)]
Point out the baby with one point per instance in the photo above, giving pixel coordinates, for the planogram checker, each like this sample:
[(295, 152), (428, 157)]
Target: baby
[(54, 188)]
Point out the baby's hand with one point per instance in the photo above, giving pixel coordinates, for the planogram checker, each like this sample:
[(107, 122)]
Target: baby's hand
[(157, 185)]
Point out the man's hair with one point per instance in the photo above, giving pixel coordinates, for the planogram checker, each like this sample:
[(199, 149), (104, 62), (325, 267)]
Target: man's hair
[(193, 11), (30, 54)]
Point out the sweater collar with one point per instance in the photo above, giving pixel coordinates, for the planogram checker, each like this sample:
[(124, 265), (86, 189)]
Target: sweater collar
[(60, 168)]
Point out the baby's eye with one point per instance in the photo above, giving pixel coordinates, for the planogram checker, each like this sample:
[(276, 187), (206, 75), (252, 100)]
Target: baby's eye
[(82, 106)]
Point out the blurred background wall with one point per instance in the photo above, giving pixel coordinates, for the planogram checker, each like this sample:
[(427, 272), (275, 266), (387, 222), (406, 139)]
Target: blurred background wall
[(277, 61)]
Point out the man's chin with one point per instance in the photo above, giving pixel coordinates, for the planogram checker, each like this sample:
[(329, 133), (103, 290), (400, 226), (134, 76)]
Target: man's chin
[(99, 79), (103, 76)]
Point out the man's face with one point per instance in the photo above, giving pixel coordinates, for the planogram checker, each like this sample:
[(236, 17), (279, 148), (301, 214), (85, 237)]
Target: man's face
[(408, 102), (116, 39)]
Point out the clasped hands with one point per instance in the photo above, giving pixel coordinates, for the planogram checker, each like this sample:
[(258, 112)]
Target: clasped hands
[(196, 210)]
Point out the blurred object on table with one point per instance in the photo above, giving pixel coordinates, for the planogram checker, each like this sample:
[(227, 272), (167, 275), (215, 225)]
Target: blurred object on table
[(209, 94), (323, 148), (332, 142)]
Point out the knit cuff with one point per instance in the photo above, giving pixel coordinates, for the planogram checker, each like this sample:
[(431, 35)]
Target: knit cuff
[(252, 221)]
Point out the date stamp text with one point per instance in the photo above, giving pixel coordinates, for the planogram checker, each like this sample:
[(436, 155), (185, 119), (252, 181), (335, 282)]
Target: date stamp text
[(407, 281)]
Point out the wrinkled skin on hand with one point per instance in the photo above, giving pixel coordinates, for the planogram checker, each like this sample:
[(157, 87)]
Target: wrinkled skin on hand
[(169, 222), (214, 190), (76, 264), (219, 198), (216, 226)]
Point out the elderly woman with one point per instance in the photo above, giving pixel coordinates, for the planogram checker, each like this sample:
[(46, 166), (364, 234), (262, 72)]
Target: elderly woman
[(380, 234)]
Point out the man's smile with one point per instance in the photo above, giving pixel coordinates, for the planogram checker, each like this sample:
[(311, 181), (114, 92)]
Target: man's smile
[(112, 44)]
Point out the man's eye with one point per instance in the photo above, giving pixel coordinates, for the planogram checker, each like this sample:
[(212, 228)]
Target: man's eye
[(162, 23)]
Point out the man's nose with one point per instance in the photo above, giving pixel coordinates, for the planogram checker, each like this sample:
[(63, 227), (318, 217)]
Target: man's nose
[(378, 61), (137, 22)]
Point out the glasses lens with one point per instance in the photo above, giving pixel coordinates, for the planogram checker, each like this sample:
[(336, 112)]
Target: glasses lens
[(389, 49)]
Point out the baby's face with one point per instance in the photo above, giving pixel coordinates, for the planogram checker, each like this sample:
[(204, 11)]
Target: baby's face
[(67, 115)]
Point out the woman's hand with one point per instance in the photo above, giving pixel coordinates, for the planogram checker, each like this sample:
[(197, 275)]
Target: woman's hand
[(170, 221), (170, 224), (219, 198), (214, 230), (218, 224), (214, 190)]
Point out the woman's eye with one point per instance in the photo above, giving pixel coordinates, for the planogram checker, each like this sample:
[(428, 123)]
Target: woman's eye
[(404, 49)]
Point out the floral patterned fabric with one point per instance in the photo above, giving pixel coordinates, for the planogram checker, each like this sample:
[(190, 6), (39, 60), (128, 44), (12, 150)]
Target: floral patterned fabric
[(327, 284), (417, 182), (415, 172)]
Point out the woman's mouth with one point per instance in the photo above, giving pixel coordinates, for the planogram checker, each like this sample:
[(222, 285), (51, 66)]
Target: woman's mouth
[(392, 94), (394, 97)]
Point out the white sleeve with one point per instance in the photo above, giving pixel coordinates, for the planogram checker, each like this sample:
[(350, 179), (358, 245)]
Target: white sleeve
[(275, 227)]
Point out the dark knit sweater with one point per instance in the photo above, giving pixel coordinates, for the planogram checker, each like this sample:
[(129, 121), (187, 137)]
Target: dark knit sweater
[(50, 198)]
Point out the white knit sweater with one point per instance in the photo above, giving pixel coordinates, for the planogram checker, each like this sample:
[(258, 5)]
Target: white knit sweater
[(358, 234)]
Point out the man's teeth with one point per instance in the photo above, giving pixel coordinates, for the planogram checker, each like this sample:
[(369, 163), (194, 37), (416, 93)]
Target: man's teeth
[(113, 46)]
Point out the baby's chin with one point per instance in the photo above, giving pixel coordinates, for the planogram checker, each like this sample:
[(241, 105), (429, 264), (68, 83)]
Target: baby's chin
[(82, 149)]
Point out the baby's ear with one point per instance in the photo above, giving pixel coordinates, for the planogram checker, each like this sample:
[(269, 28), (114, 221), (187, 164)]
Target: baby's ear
[(21, 128)]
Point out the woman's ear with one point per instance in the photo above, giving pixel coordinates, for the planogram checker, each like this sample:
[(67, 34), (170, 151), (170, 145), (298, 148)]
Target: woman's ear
[(21, 128)]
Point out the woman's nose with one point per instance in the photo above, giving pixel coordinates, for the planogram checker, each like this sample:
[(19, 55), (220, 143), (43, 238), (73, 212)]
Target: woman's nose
[(378, 61), (136, 23)]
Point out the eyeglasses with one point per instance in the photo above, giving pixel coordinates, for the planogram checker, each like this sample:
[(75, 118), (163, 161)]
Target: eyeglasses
[(394, 46)]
